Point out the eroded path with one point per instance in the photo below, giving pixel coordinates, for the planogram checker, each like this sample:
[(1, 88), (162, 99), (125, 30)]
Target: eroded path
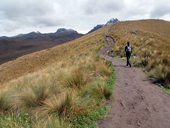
[(137, 103)]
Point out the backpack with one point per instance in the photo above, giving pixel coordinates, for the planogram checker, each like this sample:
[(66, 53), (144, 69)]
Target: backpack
[(128, 48)]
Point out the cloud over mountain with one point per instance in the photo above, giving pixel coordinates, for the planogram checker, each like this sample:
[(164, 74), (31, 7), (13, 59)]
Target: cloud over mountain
[(17, 16)]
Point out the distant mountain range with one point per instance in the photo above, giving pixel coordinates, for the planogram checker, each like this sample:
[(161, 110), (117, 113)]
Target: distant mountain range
[(57, 36), (13, 47), (111, 21), (16, 46)]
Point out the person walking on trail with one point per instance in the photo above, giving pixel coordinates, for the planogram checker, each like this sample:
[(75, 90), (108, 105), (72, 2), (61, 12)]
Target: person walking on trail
[(128, 50)]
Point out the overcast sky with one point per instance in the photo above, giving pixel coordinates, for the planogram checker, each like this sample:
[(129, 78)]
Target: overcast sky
[(23, 16)]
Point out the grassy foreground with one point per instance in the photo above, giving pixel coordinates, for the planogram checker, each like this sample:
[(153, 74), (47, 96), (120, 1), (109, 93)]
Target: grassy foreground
[(62, 87), (74, 98)]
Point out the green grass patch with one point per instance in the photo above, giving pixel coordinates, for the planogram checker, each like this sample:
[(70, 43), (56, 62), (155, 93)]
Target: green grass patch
[(89, 120), (15, 121), (166, 90), (112, 80)]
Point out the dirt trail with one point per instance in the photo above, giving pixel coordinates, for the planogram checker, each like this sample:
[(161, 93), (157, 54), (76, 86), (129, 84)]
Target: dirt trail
[(137, 103)]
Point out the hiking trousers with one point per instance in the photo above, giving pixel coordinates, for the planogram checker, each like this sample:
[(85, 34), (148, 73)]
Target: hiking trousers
[(128, 54)]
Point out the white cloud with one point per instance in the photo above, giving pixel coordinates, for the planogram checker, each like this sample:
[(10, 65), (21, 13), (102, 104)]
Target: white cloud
[(100, 6), (21, 16), (161, 9)]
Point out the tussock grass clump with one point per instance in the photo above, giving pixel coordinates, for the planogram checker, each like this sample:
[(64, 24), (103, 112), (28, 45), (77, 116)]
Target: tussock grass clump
[(99, 90), (102, 91), (60, 105), (5, 102), (103, 70), (75, 79), (33, 96), (161, 74)]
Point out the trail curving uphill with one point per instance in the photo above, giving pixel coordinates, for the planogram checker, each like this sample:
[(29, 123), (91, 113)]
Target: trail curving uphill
[(137, 103)]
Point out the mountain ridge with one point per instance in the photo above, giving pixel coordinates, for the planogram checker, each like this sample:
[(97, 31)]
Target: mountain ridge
[(16, 46), (111, 21)]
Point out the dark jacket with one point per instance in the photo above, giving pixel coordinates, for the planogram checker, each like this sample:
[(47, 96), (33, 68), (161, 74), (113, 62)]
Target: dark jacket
[(128, 50)]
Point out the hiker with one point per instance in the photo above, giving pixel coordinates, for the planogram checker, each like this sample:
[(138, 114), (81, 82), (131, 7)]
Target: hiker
[(128, 50)]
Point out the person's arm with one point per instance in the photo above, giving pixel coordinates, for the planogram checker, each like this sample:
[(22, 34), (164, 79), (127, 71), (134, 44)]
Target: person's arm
[(125, 48)]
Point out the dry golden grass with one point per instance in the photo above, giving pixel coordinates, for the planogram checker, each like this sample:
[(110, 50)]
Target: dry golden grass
[(61, 105), (48, 85), (50, 92), (5, 101), (58, 55), (76, 79), (150, 41)]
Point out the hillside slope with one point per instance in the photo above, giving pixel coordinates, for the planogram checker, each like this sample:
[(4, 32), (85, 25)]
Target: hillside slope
[(40, 60), (13, 47), (150, 41), (147, 36), (66, 86), (160, 27)]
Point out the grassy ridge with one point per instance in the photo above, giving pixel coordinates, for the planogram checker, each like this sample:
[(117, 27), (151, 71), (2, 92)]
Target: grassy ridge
[(150, 42), (66, 86), (41, 60)]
